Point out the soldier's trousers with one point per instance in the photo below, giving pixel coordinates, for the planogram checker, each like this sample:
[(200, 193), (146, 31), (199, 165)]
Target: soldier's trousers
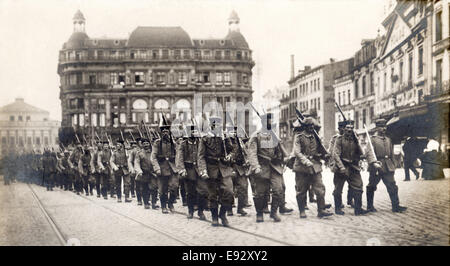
[(88, 184), (132, 184), (263, 187), (408, 165), (240, 186), (119, 175), (303, 181), (105, 183), (196, 193), (167, 188), (49, 179), (78, 182), (98, 182), (6, 178), (146, 186), (339, 181), (220, 191), (389, 182)]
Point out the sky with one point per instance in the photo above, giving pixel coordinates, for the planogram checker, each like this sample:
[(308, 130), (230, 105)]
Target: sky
[(32, 33)]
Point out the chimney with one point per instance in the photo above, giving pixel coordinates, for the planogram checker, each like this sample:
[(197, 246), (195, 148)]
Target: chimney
[(332, 60), (307, 68), (292, 67)]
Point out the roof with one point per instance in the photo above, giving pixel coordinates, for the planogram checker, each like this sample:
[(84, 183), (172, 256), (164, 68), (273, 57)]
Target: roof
[(78, 16), (159, 37), (238, 39), (76, 40), (20, 106), (106, 43), (214, 43)]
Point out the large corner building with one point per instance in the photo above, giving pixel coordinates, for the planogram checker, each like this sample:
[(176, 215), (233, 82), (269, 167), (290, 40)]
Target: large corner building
[(112, 84)]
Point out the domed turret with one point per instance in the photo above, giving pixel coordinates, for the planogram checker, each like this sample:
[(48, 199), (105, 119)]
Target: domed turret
[(78, 37), (234, 33)]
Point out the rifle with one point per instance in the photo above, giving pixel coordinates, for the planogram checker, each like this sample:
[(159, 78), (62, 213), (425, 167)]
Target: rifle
[(370, 142), (283, 150), (140, 132), (354, 133), (146, 131), (121, 135), (132, 136), (97, 136), (300, 118), (79, 142), (170, 133), (111, 146)]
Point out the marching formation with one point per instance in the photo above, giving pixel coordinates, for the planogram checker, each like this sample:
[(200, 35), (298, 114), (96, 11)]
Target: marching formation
[(209, 171)]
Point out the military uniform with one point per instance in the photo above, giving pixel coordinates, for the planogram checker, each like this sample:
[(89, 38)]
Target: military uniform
[(265, 158), (131, 157), (382, 167), (214, 156), (196, 186), (76, 177), (65, 168), (49, 169), (120, 166), (308, 168), (146, 181), (86, 169), (346, 156), (97, 175), (103, 162), (163, 161)]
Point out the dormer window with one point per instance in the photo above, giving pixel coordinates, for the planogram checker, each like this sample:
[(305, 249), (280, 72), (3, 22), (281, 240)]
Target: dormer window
[(201, 42), (116, 42), (94, 42), (222, 42)]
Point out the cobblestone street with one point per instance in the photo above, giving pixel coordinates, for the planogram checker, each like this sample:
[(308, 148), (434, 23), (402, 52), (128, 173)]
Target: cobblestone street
[(95, 221)]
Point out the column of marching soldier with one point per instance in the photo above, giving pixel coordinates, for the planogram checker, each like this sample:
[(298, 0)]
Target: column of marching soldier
[(212, 169)]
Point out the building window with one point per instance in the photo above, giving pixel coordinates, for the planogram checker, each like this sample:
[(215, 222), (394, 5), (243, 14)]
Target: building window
[(315, 89), (400, 72), (182, 77), (356, 89), (410, 67), (384, 82), (227, 54), (11, 118), (38, 141), (165, 54), (19, 118), (392, 79), (363, 86), (186, 54), (114, 79), (438, 75), (339, 98), (139, 78), (74, 119), (73, 103), (364, 113), (207, 54), (227, 77), (356, 120), (155, 54), (318, 103), (439, 26), (102, 120), (122, 103), (371, 83), (79, 78), (420, 67), (219, 76), (239, 55), (161, 78), (92, 79), (372, 113), (80, 103), (205, 77), (245, 79), (28, 118), (177, 54), (218, 55), (101, 103), (123, 118), (94, 120), (349, 97)]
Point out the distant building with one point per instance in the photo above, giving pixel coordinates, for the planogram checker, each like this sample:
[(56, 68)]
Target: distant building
[(25, 127), (113, 84), (312, 90), (344, 96)]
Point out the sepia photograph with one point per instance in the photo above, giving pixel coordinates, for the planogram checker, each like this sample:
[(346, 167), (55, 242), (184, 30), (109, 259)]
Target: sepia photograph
[(224, 123)]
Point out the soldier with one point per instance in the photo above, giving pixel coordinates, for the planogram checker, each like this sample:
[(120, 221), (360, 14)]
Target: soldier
[(308, 167), (338, 178), (119, 164), (133, 150), (74, 158), (97, 176), (86, 169), (146, 181), (214, 157), (347, 153), (103, 163), (163, 161), (382, 167), (59, 177), (266, 158), (65, 170), (187, 162), (240, 182), (49, 169)]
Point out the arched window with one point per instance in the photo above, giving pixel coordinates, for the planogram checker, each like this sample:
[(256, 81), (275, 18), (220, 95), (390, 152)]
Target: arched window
[(140, 104), (182, 109), (161, 104)]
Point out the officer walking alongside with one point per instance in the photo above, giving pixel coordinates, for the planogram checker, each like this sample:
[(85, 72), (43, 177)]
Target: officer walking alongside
[(381, 167)]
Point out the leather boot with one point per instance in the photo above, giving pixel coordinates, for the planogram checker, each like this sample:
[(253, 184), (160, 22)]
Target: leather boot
[(190, 211), (284, 209), (240, 209), (395, 201), (259, 209), (301, 202), (214, 217), (154, 199), (350, 198), (370, 193), (338, 204), (357, 197), (223, 216), (321, 212), (274, 210)]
